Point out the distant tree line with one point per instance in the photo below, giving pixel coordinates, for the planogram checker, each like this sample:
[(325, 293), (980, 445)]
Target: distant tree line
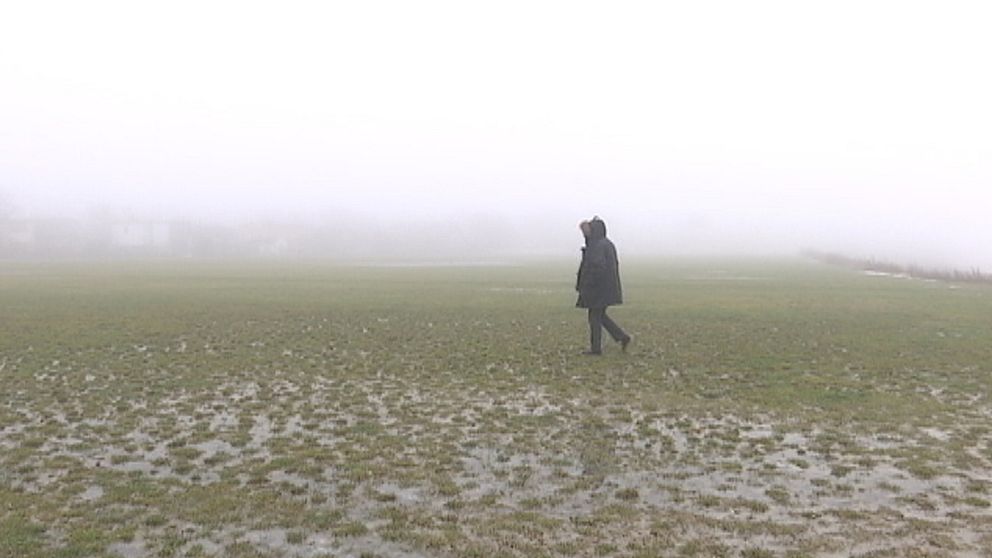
[(974, 275), (108, 236)]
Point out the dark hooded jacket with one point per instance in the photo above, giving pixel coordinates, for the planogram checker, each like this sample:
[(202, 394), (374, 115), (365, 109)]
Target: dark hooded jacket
[(598, 279)]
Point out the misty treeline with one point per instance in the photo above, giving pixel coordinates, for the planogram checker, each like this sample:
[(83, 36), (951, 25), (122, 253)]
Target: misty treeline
[(974, 275), (106, 235)]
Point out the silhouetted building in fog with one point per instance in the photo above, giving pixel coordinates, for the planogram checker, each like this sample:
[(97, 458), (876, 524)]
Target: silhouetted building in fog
[(17, 238), (141, 235)]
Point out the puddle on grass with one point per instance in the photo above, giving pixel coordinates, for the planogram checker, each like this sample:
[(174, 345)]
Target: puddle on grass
[(715, 467), (91, 494), (403, 495), (789, 469), (261, 432), (275, 539), (937, 434), (133, 549), (211, 448), (282, 477), (368, 545), (223, 421)]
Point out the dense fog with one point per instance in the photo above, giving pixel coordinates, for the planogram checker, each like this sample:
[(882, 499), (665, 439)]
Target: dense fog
[(452, 130)]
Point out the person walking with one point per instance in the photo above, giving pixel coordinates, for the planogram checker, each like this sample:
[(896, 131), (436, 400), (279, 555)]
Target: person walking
[(598, 285)]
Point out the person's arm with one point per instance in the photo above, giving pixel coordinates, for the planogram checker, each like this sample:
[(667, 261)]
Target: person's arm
[(612, 261), (614, 266), (578, 274), (596, 263)]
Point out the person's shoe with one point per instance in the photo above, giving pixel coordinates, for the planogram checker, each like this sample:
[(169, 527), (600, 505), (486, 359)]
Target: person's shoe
[(592, 353), (624, 343)]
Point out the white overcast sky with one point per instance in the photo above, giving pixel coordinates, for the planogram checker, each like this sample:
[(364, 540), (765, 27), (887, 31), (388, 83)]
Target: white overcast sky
[(737, 126)]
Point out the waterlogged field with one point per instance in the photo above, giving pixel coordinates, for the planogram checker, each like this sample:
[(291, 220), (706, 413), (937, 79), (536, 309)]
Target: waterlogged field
[(764, 409)]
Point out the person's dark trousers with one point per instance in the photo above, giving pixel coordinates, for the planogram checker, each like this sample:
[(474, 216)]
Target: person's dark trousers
[(597, 321)]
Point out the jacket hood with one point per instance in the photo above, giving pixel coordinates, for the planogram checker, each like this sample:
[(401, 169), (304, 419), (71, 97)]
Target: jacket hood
[(597, 228)]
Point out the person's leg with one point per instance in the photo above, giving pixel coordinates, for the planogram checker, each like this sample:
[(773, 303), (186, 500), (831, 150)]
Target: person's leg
[(596, 330), (615, 331)]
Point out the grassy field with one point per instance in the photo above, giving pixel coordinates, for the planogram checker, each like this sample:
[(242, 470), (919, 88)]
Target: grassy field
[(764, 409)]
